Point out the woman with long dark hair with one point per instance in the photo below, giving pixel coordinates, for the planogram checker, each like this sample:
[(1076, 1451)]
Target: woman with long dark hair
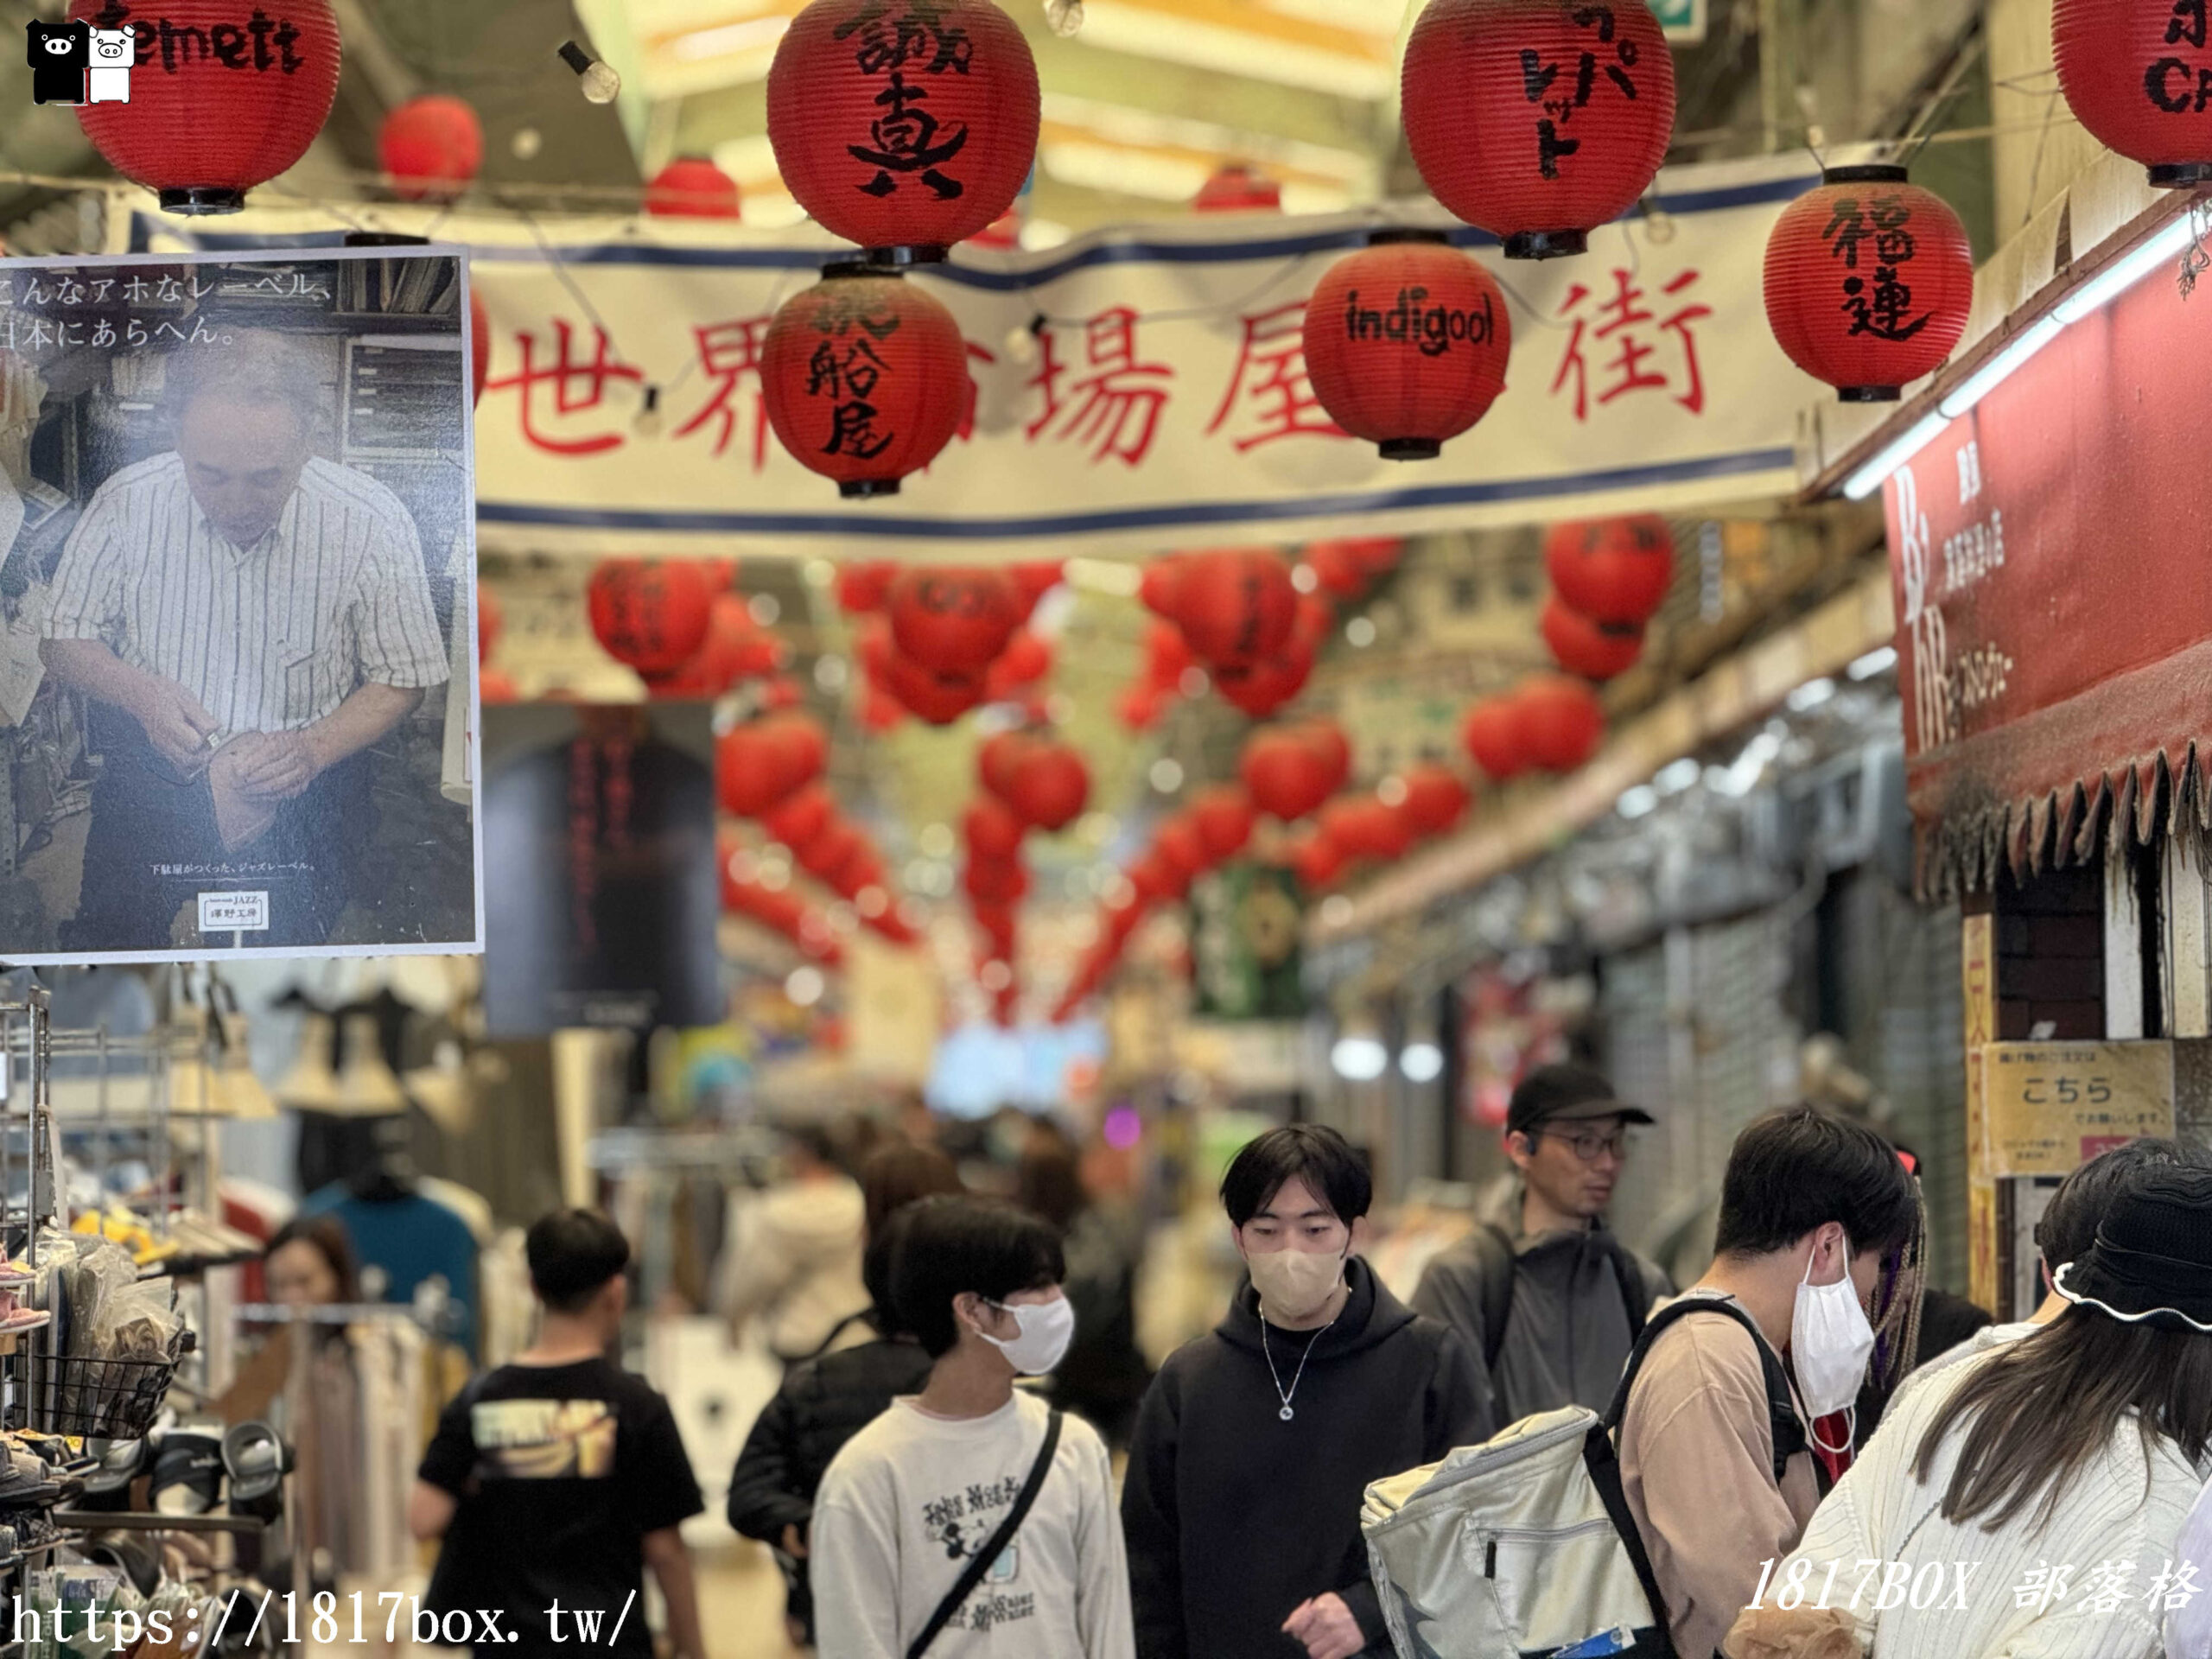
[(2027, 1502)]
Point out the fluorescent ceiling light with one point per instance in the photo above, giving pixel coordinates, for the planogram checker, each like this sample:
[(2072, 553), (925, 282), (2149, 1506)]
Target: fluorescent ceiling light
[(1422, 1063), (1869, 477), (1635, 803), (1994, 373), (1880, 660), (1673, 778), (1809, 695), (1361, 1059), (2126, 271)]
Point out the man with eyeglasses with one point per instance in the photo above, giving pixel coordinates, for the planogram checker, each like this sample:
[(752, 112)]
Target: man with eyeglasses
[(1552, 1309)]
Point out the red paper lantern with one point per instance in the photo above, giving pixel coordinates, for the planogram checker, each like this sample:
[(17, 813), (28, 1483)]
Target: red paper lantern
[(1048, 786), (1139, 708), (1562, 722), (1180, 847), (1258, 689), (1235, 607), (2135, 72), (801, 817), (828, 849), (991, 829), (863, 587), (1335, 570), (954, 619), (760, 762), (1436, 799), (904, 124), (1166, 654), (1317, 860), (1536, 119), (479, 346), (1034, 578), (1492, 735), (1001, 881), (737, 649), (1328, 740), (1868, 282), (1612, 569), (1237, 189), (691, 186), (864, 376), (1225, 818), (1158, 584), (202, 128), (1286, 774), (1407, 342), (1596, 651), (939, 699), (651, 613), (1360, 826), (431, 148)]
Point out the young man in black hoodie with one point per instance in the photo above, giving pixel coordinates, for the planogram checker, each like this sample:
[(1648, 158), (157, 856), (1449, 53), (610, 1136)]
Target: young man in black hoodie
[(1256, 1443)]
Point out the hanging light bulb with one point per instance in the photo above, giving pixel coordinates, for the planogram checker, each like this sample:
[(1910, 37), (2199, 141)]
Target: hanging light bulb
[(602, 85), (1064, 17), (647, 425), (1022, 347)]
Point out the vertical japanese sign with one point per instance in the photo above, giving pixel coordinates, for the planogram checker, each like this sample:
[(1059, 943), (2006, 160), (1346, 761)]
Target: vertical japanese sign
[(239, 583), (1978, 968), (1131, 390), (1246, 920)]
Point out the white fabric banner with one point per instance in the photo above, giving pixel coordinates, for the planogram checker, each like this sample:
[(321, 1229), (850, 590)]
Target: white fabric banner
[(1161, 401)]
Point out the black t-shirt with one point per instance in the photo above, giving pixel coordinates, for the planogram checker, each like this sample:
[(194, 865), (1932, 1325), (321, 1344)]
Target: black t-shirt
[(561, 1470)]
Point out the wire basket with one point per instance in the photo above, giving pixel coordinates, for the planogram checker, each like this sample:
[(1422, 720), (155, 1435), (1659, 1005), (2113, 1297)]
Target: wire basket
[(104, 1399)]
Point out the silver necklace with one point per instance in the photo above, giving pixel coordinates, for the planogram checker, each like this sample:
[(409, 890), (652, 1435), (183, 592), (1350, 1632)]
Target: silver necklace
[(1286, 1413)]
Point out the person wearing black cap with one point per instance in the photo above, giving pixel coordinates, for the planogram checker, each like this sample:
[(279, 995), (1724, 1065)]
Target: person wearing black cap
[(1552, 1311), (2062, 1466)]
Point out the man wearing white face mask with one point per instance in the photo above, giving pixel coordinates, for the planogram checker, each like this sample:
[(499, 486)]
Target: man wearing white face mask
[(969, 1520), (1256, 1443), (1715, 1451)]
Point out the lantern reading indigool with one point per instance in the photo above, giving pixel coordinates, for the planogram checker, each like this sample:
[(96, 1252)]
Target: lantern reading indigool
[(1407, 342)]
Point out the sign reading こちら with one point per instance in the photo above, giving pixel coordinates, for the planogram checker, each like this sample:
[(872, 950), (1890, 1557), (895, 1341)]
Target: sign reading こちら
[(2051, 1107)]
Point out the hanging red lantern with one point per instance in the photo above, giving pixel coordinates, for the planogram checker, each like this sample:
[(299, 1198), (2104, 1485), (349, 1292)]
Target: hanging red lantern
[(800, 816), (1235, 188), (204, 127), (1596, 651), (1235, 607), (1492, 735), (863, 587), (1286, 776), (828, 850), (1868, 282), (1436, 799), (1180, 848), (1157, 585), (1612, 569), (1407, 342), (1225, 818), (1360, 826), (1166, 654), (939, 699), (760, 762), (879, 710), (651, 613), (1139, 708), (1318, 860), (2136, 73), (991, 829), (905, 125), (1034, 578), (1328, 740), (1335, 570), (1258, 689), (953, 618), (1562, 722), (691, 186), (1001, 881), (737, 649), (860, 327), (430, 147), (1049, 786), (1536, 119), (479, 346), (998, 757)]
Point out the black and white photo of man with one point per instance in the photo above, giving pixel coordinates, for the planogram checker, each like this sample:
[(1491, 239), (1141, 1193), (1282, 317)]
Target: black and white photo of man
[(246, 619)]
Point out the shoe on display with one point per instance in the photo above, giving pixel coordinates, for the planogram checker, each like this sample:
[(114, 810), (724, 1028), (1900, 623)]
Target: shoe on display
[(256, 1462), (187, 1472)]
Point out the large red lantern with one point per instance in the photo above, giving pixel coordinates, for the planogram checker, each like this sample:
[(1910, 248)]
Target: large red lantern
[(1562, 722), (1868, 282), (864, 376), (1259, 689), (737, 649), (202, 127), (906, 124), (1537, 120), (1435, 800), (1596, 651), (953, 620), (863, 587), (431, 148), (2136, 73), (998, 758), (1360, 826), (1000, 881), (1328, 739), (800, 816), (1025, 660), (1317, 860), (991, 829), (762, 762), (1492, 734), (1049, 786), (1178, 844), (939, 699), (651, 613), (691, 186), (1224, 818), (1286, 774), (1235, 607), (1407, 342), (1612, 569)]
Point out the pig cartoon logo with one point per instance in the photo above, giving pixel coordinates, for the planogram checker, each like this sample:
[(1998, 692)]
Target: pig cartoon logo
[(59, 54), (109, 81)]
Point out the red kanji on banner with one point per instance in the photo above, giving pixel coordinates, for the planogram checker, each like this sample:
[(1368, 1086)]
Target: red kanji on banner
[(578, 387), (1620, 319), (966, 429), (1269, 391), (1117, 407), (729, 353)]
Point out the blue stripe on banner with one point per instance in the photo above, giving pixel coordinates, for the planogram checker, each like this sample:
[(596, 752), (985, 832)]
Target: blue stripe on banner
[(1208, 512), (1131, 252)]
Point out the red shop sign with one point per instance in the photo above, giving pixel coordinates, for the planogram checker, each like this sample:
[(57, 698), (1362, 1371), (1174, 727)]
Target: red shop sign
[(2051, 553)]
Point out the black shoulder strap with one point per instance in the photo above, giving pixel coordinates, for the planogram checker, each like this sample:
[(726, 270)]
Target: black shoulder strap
[(1788, 1428), (1636, 1288), (1494, 1255), (1601, 1457), (994, 1545)]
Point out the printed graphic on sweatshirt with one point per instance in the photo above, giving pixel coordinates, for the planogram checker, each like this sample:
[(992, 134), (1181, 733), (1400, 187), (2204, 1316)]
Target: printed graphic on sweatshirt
[(961, 1523), (544, 1439)]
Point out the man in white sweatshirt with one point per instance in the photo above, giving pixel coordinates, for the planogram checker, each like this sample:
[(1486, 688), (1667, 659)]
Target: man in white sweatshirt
[(911, 1531)]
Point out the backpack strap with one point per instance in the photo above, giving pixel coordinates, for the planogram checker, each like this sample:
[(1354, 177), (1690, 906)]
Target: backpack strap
[(1787, 1427), (994, 1545), (1636, 1288), (1494, 1258)]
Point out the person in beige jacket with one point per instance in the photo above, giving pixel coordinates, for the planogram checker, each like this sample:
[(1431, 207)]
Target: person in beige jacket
[(792, 1261)]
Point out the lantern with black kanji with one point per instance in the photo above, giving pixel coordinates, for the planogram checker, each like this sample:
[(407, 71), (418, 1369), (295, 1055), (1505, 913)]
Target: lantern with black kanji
[(1582, 644), (1611, 570), (1536, 119), (691, 186), (220, 100), (1868, 282), (864, 376), (1406, 342), (904, 126), (651, 613), (431, 146), (2138, 74)]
